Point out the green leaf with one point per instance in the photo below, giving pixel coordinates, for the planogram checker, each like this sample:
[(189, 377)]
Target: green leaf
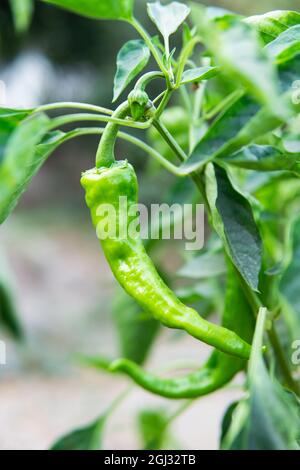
[(238, 50), (234, 438), (269, 419), (273, 23), (258, 124), (205, 265), (20, 162), (153, 428), (220, 14), (136, 329), (105, 10), (13, 187), (222, 133), (14, 177), (243, 122), (168, 18), (234, 222), (274, 420), (284, 200), (14, 115), (198, 74), (263, 158), (51, 141), (54, 139), (291, 141), (187, 34), (286, 45), (22, 13), (288, 74), (227, 420), (9, 120), (8, 311), (238, 126), (87, 438), (131, 60), (206, 295)]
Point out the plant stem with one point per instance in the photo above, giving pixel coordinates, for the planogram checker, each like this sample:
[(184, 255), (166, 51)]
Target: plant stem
[(131, 139), (186, 99), (163, 103), (145, 79), (186, 52), (199, 95), (70, 118), (175, 170), (169, 60), (105, 155), (282, 361), (68, 104), (151, 151), (158, 97), (147, 38), (196, 176), (163, 131), (182, 408), (224, 104), (256, 304), (118, 400)]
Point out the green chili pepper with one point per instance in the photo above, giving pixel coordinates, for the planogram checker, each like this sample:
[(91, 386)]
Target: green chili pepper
[(217, 371), (128, 259)]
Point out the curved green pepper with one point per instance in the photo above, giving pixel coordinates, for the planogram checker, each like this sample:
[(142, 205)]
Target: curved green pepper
[(216, 372), (135, 271), (127, 257)]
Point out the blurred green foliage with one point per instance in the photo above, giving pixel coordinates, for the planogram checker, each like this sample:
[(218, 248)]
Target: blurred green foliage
[(73, 43)]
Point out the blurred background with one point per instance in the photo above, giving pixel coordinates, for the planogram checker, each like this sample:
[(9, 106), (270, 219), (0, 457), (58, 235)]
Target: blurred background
[(62, 284)]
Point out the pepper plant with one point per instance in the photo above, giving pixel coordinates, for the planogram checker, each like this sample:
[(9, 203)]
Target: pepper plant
[(226, 119)]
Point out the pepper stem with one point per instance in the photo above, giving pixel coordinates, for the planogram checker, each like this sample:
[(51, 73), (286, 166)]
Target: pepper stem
[(105, 156), (145, 79)]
